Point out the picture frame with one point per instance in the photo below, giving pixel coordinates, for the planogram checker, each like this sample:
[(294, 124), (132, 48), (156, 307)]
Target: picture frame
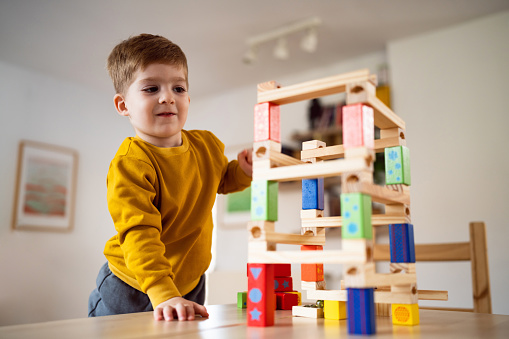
[(45, 187)]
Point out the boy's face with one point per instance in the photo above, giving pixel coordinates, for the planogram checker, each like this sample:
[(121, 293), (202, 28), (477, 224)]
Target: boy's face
[(157, 103)]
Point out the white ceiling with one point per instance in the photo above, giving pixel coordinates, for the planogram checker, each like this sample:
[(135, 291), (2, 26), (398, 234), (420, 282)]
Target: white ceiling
[(72, 39)]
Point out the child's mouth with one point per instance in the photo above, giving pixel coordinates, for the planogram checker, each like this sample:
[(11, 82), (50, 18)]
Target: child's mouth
[(166, 114)]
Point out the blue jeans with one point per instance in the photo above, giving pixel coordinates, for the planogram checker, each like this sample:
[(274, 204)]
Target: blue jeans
[(113, 296)]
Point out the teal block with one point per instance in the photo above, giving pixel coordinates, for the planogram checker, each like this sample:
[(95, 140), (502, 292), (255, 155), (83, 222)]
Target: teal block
[(397, 165), (264, 200), (356, 214), (241, 299)]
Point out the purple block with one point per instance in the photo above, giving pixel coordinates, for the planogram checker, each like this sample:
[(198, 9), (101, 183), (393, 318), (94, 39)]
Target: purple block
[(402, 244)]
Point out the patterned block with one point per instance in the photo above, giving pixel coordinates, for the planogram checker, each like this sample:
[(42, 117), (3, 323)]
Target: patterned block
[(311, 272), (283, 284), (286, 300), (361, 311), (397, 165), (299, 297), (282, 270), (358, 126), (267, 122), (313, 194), (241, 299), (264, 200), (260, 295), (405, 314), (335, 310), (401, 238), (356, 213)]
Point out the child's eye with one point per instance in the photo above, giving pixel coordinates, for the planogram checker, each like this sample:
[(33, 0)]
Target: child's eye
[(179, 89), (151, 89)]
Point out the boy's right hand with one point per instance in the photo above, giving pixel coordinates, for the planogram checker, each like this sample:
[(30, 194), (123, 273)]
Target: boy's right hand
[(179, 308)]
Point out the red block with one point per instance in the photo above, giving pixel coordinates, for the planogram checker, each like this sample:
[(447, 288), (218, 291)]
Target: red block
[(260, 295), (267, 122), (358, 126), (311, 272), (285, 301), (283, 284), (282, 270)]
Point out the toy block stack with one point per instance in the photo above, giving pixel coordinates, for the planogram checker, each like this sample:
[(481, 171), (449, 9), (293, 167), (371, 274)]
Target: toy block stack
[(286, 297), (353, 162)]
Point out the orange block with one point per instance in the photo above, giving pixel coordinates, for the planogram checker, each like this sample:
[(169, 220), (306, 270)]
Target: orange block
[(311, 272)]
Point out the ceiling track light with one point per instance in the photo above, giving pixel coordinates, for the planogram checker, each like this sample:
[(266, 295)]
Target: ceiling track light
[(308, 43)]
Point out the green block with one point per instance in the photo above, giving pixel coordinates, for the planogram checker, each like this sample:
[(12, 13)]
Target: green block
[(241, 299), (397, 165), (264, 200), (356, 214)]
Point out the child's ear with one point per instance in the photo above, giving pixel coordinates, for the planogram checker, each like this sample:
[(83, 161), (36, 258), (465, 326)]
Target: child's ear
[(120, 105)]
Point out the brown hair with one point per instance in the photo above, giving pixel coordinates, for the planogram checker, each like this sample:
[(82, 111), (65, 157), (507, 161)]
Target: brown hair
[(137, 53)]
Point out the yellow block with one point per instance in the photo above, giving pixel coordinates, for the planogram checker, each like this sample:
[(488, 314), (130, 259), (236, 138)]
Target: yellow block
[(405, 314), (335, 310)]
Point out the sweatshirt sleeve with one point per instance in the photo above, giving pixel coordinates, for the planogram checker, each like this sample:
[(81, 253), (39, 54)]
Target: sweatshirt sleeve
[(131, 193)]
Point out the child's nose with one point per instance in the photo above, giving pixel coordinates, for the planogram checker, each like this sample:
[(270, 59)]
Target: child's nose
[(166, 97)]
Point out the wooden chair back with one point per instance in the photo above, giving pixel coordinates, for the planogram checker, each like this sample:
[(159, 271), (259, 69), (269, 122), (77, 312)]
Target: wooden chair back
[(475, 251)]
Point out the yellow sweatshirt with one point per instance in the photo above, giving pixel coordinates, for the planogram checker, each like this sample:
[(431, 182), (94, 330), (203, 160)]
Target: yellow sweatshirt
[(160, 200)]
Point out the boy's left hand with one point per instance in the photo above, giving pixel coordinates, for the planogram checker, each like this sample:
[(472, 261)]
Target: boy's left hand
[(245, 159)]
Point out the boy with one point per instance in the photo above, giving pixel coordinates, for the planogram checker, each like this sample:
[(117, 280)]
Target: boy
[(161, 188)]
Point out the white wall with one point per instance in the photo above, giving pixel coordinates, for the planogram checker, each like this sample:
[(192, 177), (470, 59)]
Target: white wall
[(451, 88), (48, 276)]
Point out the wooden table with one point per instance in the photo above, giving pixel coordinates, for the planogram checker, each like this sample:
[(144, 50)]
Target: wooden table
[(226, 321)]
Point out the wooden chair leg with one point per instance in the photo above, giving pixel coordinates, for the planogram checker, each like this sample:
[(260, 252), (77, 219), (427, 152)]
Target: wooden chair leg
[(480, 271)]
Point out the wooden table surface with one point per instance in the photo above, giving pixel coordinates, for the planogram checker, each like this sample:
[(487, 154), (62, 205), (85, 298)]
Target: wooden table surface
[(226, 321)]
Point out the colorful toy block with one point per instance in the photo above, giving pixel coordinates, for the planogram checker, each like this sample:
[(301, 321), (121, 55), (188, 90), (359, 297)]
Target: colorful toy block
[(241, 299), (311, 272), (334, 310), (267, 122), (356, 213), (401, 239), (361, 311), (397, 165), (286, 300), (299, 296), (313, 194), (405, 314), (358, 126), (260, 295), (283, 284), (282, 270), (264, 200)]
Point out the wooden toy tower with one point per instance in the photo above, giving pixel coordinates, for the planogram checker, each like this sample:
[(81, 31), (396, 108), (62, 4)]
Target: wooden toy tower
[(353, 161)]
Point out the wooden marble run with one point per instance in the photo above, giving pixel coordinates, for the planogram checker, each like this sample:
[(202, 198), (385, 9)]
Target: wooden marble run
[(367, 291)]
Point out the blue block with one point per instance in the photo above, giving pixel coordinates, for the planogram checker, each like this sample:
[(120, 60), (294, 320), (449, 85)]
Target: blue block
[(401, 237), (312, 194), (361, 311)]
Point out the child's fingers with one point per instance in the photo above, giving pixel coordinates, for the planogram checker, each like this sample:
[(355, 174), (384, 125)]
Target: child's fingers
[(168, 313), (201, 310), (185, 311)]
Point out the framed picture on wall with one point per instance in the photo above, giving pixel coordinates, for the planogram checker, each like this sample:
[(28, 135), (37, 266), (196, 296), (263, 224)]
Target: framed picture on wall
[(45, 187)]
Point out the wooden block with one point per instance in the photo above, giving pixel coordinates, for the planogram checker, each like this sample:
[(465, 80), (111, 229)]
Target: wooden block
[(258, 229), (401, 238), (405, 314), (299, 296), (358, 126), (241, 299), (359, 245), (264, 200), (311, 272), (402, 267), (334, 310), (309, 171), (397, 165), (283, 284), (381, 194), (270, 145), (267, 122), (364, 275), (307, 312), (330, 222), (313, 89), (356, 213), (313, 194), (313, 144), (313, 285), (305, 257), (312, 213), (361, 311), (282, 270), (286, 300), (408, 293), (338, 295), (260, 297), (391, 133), (267, 86), (290, 239), (264, 151)]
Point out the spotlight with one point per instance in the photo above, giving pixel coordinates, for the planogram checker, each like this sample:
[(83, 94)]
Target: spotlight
[(250, 56), (310, 40), (281, 51)]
